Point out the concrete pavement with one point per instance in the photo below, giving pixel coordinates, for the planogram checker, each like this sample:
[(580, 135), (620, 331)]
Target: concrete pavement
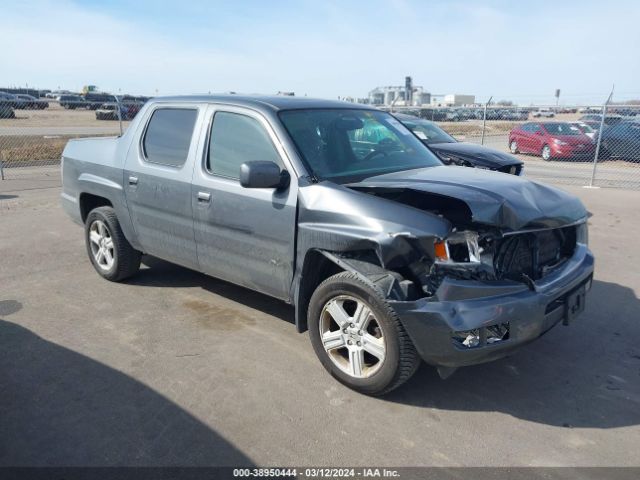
[(176, 368)]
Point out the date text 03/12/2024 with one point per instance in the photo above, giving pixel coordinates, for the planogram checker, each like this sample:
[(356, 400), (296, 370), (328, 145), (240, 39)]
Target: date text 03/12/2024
[(316, 472)]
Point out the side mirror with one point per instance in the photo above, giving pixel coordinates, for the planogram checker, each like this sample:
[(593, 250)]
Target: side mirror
[(263, 174)]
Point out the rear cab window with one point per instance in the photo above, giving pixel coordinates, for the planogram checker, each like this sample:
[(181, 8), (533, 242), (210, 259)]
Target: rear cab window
[(167, 138)]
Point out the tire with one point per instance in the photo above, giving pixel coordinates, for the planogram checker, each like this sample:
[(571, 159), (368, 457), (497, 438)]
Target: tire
[(346, 297), (545, 153), (513, 147), (103, 233), (604, 153)]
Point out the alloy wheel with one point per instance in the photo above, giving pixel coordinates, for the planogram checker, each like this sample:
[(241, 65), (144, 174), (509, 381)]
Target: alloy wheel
[(352, 337), (101, 243)]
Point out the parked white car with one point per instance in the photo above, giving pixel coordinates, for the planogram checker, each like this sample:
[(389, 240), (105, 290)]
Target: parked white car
[(544, 112)]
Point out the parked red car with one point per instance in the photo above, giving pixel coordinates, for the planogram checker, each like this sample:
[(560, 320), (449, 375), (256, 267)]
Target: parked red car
[(550, 140)]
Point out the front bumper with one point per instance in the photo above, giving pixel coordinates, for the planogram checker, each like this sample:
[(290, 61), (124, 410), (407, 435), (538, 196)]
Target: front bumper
[(570, 151), (462, 305)]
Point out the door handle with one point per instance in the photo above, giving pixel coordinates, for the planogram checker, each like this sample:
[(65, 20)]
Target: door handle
[(204, 197), (133, 180)]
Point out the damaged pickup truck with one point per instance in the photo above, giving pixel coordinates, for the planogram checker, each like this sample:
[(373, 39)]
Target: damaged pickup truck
[(388, 256)]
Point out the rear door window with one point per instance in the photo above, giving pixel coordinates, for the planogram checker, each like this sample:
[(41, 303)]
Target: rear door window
[(168, 136)]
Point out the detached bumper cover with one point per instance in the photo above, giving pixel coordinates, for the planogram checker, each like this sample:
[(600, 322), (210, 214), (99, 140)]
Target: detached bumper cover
[(468, 305)]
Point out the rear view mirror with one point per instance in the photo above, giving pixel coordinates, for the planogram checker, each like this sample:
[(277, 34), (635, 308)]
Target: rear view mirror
[(348, 123), (263, 174)]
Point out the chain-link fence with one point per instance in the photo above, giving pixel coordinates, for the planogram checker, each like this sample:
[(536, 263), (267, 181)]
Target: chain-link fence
[(558, 144), (579, 145), (34, 131)]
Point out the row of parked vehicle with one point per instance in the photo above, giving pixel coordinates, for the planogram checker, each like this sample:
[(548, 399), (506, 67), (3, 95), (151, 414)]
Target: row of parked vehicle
[(574, 140), (95, 101), (23, 101), (471, 113), (551, 140), (105, 105)]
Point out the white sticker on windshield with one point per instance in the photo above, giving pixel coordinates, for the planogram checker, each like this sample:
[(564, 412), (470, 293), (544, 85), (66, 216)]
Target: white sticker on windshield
[(420, 134), (395, 123)]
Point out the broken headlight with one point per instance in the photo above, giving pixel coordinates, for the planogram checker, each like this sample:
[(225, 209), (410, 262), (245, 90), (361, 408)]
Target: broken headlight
[(582, 234), (448, 159), (460, 247)]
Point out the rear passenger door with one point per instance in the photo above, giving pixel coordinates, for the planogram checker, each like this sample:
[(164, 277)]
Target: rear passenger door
[(157, 182), (244, 235)]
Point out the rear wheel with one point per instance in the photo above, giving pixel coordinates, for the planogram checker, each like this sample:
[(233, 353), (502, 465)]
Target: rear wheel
[(546, 153), (110, 252), (358, 337)]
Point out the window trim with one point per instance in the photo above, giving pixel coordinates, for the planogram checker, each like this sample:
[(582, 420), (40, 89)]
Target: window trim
[(141, 149), (247, 113)]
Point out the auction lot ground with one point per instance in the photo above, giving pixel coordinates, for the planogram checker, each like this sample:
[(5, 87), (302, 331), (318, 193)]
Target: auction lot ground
[(176, 368)]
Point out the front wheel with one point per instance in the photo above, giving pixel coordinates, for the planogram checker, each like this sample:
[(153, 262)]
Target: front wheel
[(110, 252), (358, 337), (513, 147), (546, 153)]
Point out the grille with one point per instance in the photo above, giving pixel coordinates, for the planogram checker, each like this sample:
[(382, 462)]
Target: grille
[(533, 254)]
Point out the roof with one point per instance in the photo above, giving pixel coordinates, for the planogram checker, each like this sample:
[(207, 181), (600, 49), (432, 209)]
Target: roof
[(273, 102)]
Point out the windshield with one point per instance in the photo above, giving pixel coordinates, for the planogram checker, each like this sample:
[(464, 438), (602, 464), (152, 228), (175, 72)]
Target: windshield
[(427, 131), (344, 145), (561, 129), (583, 127)]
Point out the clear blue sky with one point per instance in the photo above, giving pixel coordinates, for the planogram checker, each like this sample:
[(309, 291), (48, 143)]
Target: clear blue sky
[(513, 50)]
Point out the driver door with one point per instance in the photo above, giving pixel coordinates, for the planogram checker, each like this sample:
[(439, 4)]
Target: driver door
[(243, 235)]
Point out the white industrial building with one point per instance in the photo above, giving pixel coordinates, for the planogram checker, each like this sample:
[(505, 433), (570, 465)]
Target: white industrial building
[(415, 96), (458, 100), (407, 95)]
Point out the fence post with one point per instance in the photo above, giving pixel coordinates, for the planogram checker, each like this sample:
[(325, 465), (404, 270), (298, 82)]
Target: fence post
[(119, 113), (1, 165), (484, 119), (597, 154)]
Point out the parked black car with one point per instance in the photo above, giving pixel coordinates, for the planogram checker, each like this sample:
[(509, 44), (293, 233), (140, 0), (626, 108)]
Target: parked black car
[(12, 100), (96, 100), (6, 110), (621, 140), (610, 119), (71, 102), (31, 102), (453, 152)]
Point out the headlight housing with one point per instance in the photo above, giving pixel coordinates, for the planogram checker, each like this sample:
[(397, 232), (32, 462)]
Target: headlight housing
[(559, 142), (582, 234), (460, 247)]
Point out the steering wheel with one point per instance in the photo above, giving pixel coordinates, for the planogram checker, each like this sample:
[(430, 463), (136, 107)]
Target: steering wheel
[(374, 153)]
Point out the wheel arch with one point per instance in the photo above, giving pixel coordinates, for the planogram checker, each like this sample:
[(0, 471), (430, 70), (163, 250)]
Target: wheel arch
[(89, 201), (321, 264)]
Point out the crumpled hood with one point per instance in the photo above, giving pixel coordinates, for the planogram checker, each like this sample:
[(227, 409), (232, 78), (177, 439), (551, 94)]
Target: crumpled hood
[(504, 201), (480, 154)]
